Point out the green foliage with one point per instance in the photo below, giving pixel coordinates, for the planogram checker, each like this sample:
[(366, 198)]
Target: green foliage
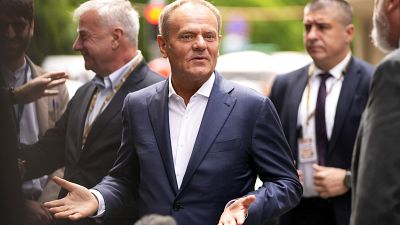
[(54, 30), (287, 35)]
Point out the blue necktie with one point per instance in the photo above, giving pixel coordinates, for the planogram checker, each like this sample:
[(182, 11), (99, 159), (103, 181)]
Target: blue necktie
[(320, 123)]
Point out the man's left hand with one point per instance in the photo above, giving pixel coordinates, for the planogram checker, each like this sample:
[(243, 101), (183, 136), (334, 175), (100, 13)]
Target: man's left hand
[(236, 213), (329, 181)]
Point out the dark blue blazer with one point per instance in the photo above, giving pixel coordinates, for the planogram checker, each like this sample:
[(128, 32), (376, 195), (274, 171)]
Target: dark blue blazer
[(286, 94), (240, 137)]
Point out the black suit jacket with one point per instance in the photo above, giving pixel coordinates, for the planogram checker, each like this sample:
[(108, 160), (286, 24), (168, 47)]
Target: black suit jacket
[(286, 94), (11, 198), (62, 145)]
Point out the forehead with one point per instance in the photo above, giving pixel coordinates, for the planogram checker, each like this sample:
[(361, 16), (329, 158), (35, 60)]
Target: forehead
[(89, 21), (191, 16), (320, 16), (9, 18)]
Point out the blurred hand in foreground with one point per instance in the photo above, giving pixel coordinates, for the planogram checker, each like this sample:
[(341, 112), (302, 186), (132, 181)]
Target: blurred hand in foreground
[(79, 202)]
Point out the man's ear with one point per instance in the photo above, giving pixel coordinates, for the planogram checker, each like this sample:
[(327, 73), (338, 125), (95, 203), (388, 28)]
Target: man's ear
[(350, 31), (393, 5), (32, 28), (162, 44), (117, 34)]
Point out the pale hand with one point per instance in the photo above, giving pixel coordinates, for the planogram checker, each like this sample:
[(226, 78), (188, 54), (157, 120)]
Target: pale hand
[(328, 181), (236, 213), (301, 176), (79, 202), (40, 87)]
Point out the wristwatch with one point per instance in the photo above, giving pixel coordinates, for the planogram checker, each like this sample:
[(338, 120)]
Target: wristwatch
[(11, 95), (347, 179)]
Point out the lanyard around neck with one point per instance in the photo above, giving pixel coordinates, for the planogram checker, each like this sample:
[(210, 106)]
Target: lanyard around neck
[(117, 87), (309, 75)]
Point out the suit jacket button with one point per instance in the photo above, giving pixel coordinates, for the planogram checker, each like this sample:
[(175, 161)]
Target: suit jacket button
[(176, 206)]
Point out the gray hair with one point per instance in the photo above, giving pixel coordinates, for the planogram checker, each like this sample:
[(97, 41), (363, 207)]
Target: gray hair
[(168, 10), (345, 9), (114, 13), (154, 219)]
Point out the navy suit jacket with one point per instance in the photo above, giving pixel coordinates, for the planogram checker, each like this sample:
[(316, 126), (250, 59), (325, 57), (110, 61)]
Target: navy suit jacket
[(240, 137), (286, 95)]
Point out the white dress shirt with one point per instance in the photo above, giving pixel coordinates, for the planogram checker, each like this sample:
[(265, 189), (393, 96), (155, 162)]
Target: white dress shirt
[(184, 124), (333, 87), (106, 86)]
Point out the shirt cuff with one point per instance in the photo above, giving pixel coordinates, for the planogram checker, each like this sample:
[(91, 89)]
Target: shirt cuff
[(102, 206)]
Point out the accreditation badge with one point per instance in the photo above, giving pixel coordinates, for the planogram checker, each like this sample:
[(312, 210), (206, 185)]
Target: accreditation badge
[(307, 150)]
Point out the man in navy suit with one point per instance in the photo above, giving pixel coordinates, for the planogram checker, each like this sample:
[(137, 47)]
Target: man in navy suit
[(192, 146), (321, 118)]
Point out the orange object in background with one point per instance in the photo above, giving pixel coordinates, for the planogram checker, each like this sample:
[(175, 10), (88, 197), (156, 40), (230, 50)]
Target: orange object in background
[(152, 12), (161, 66)]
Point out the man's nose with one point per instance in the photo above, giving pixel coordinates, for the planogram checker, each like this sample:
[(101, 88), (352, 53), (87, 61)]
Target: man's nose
[(77, 46), (200, 43), (9, 31), (312, 33)]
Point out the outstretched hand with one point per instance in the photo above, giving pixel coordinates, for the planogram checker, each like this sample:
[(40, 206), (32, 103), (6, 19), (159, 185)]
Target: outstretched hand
[(79, 202), (40, 87), (236, 213)]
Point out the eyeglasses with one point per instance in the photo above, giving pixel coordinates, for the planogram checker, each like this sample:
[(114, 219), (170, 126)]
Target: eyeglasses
[(17, 25)]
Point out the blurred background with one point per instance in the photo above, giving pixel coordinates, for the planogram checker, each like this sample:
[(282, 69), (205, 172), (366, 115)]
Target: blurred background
[(261, 38)]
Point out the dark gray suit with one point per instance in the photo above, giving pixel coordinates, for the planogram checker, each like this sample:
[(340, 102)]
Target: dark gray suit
[(286, 94), (376, 162), (62, 145)]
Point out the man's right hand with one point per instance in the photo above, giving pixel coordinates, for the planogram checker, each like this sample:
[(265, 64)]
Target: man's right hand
[(78, 204), (39, 87)]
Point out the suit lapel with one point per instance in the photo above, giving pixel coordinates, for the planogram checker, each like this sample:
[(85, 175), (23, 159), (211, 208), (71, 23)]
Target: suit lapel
[(159, 114), (219, 106), (293, 104), (115, 106), (346, 98), (42, 106), (84, 101)]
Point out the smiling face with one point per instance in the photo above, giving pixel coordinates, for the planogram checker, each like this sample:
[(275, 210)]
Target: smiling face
[(95, 41), (191, 44), (326, 38)]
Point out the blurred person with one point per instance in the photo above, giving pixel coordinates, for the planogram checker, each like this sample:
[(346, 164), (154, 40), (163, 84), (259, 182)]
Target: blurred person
[(11, 197), (86, 138), (193, 145), (13, 207), (376, 153), (34, 118), (154, 219), (320, 106)]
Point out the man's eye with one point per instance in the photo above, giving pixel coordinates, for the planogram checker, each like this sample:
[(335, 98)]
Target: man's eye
[(307, 27), (322, 27), (186, 37), (210, 37)]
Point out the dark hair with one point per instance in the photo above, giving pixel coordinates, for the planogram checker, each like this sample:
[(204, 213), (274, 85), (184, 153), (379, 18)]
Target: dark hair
[(17, 8), (344, 7)]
